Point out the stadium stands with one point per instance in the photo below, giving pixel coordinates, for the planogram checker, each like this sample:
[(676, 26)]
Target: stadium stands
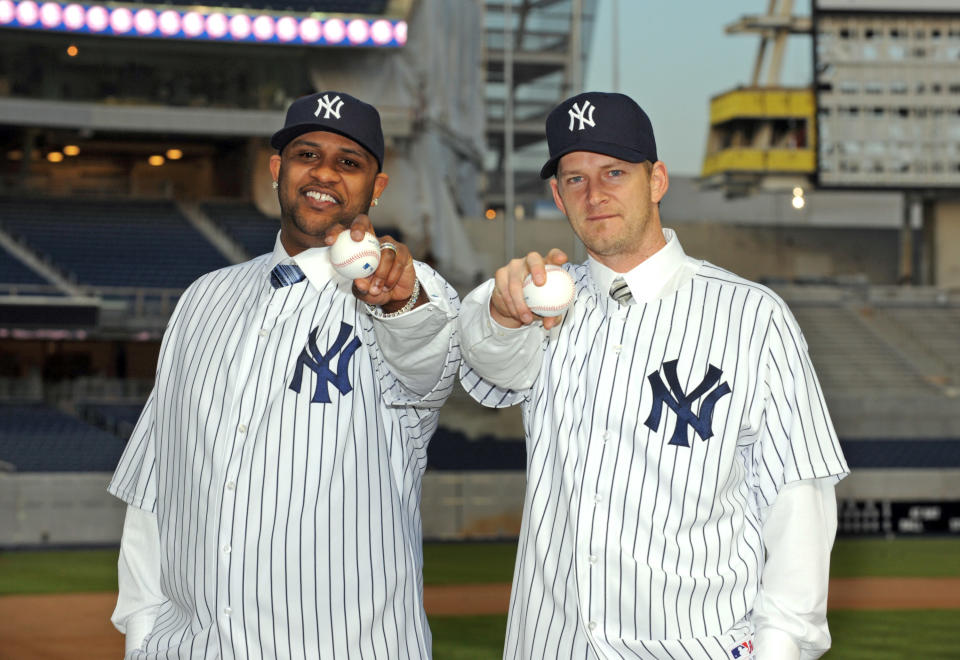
[(37, 438), (117, 418), (113, 243), (254, 231), (14, 271), (850, 358)]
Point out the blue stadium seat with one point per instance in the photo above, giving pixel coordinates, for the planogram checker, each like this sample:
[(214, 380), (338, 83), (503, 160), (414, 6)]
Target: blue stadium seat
[(37, 438), (113, 243), (14, 271), (254, 231)]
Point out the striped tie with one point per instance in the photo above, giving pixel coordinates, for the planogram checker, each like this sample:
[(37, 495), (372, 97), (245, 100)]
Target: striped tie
[(285, 274), (620, 291)]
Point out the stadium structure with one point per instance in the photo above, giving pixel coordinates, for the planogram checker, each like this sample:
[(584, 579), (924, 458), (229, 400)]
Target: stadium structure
[(133, 151)]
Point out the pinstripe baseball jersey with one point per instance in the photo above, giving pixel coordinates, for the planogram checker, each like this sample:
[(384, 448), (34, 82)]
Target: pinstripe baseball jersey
[(655, 433), (283, 459)]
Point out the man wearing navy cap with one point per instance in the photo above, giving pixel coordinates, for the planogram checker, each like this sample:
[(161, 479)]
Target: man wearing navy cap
[(680, 458), (274, 476)]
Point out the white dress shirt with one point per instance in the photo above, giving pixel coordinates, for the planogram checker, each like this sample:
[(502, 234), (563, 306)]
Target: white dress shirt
[(640, 536), (273, 479)]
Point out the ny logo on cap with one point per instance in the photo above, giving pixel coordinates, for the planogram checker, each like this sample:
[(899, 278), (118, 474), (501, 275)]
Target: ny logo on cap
[(581, 114), (332, 107)]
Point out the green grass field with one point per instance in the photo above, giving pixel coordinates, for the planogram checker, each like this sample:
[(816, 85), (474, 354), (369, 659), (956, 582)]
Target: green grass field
[(887, 635)]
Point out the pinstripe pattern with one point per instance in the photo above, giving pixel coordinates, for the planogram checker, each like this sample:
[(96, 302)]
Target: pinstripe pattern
[(288, 529), (632, 547)]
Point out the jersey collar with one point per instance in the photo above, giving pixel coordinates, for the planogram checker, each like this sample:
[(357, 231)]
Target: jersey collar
[(314, 262), (652, 279)]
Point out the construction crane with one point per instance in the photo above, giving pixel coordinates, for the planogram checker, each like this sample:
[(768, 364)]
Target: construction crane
[(762, 137)]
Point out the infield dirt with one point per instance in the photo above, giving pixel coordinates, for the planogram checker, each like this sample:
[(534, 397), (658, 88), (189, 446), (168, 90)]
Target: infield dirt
[(77, 626)]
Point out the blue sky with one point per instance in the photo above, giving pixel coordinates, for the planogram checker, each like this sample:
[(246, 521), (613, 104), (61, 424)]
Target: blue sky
[(674, 56)]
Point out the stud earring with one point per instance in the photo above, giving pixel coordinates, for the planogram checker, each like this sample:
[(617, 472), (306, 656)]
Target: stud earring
[(375, 201), (275, 185)]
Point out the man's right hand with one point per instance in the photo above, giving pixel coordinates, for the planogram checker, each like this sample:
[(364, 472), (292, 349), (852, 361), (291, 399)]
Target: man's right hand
[(507, 306)]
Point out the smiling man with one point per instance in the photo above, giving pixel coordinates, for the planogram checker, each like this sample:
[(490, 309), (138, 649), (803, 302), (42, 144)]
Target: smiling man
[(273, 478), (680, 459)]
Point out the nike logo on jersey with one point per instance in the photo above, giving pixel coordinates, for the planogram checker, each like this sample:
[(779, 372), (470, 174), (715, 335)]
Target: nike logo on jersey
[(311, 358), (680, 403)]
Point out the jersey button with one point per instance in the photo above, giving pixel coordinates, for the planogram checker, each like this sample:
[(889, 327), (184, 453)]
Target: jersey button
[(228, 610), (227, 548), (592, 559), (598, 497), (263, 332), (242, 428), (607, 435), (592, 625), (617, 348), (231, 485)]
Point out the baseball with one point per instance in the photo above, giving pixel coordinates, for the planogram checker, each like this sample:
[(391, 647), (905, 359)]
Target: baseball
[(355, 259), (553, 298)]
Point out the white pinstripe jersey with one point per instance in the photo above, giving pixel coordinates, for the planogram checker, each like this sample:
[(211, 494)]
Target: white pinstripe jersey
[(288, 528), (640, 538)]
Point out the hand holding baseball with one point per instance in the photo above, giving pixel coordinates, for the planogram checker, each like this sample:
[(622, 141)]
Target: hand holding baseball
[(390, 284), (508, 306)]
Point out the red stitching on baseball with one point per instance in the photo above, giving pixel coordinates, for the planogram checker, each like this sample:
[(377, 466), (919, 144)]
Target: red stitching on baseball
[(358, 255)]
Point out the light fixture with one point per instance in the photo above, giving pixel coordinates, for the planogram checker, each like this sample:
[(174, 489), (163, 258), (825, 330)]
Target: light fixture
[(71, 150), (798, 202), (798, 192), (55, 156), (174, 154), (72, 50), (156, 160), (490, 214)]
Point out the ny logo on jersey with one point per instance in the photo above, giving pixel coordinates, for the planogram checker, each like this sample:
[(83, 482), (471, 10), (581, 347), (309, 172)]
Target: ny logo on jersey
[(320, 364), (578, 113), (330, 106), (679, 403)]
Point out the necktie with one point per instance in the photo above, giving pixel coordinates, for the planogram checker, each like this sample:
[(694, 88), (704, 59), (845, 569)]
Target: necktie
[(620, 292), (285, 274)]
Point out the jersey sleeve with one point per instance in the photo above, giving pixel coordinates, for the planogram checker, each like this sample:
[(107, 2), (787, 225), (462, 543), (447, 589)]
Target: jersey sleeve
[(135, 479), (797, 440), (417, 354)]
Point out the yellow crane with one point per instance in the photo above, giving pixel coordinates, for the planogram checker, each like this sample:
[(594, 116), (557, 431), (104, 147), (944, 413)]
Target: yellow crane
[(763, 136)]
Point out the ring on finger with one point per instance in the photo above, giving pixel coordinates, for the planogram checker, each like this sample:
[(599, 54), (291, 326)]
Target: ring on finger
[(388, 246)]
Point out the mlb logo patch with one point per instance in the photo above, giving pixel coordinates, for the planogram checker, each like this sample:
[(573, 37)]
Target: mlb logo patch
[(743, 651)]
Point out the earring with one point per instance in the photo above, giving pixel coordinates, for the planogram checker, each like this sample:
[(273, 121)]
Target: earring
[(375, 201), (275, 185)]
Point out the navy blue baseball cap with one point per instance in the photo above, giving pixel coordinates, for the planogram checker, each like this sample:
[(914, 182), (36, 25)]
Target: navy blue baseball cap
[(604, 123), (335, 112)]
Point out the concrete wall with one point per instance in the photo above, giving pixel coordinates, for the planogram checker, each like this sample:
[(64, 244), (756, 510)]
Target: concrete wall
[(946, 247), (59, 509)]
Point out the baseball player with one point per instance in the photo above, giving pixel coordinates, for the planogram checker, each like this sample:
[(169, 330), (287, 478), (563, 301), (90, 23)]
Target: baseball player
[(273, 479), (680, 458)]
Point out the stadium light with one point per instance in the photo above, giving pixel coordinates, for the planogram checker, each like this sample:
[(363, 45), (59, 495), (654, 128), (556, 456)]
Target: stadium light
[(202, 23), (71, 150), (55, 157), (798, 202), (156, 160), (174, 154), (72, 50)]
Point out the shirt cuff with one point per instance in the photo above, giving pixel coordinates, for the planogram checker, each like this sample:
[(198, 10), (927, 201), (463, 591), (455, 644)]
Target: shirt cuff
[(773, 644), (509, 358)]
